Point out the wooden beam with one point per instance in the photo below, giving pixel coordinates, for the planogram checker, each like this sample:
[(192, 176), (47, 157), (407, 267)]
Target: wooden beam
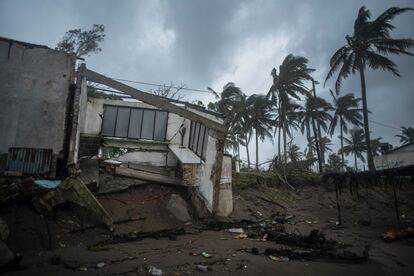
[(147, 176), (157, 101)]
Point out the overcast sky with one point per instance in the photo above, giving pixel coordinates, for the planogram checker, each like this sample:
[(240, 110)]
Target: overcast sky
[(210, 43)]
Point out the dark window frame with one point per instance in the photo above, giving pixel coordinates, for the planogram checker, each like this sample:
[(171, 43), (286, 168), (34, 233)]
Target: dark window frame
[(201, 138), (141, 123)]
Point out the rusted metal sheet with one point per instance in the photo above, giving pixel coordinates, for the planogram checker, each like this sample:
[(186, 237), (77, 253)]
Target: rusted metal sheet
[(29, 160)]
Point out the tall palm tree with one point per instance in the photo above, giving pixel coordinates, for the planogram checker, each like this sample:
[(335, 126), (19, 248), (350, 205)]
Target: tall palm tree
[(315, 111), (368, 46), (406, 136), (261, 118), (346, 111), (355, 145), (289, 83)]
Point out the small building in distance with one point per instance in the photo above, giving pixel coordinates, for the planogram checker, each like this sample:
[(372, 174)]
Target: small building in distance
[(401, 157)]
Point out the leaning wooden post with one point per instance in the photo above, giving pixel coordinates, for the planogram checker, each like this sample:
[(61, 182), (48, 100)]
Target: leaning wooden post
[(338, 206), (397, 212)]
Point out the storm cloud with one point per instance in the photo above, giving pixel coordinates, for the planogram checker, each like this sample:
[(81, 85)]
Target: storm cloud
[(210, 43)]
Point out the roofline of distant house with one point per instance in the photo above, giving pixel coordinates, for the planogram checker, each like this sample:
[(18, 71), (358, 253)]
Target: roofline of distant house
[(398, 148)]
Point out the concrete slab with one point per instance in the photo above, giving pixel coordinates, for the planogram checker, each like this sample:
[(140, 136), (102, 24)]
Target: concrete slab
[(185, 155), (179, 207)]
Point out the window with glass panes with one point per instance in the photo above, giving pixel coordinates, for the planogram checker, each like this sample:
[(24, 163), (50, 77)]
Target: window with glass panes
[(198, 139), (135, 123)]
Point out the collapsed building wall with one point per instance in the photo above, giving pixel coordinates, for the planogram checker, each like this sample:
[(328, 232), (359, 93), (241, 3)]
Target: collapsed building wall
[(197, 161), (35, 84)]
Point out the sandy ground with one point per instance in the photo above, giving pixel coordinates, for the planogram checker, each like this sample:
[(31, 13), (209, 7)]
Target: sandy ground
[(366, 217)]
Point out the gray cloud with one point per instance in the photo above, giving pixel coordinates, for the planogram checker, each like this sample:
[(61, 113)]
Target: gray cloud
[(209, 43)]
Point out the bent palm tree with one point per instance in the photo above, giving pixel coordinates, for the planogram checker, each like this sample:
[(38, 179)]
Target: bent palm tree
[(288, 84), (346, 111), (355, 145), (407, 135), (368, 47)]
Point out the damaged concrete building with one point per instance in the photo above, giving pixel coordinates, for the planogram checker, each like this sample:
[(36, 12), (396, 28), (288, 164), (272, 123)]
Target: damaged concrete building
[(50, 119)]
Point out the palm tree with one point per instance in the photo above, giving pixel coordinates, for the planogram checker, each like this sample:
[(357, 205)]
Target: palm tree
[(231, 104), (407, 135), (346, 111), (355, 145), (294, 153), (325, 144), (289, 83), (315, 111), (369, 45), (261, 118), (376, 146)]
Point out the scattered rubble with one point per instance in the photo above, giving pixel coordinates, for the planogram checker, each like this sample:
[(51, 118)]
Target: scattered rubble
[(72, 190)]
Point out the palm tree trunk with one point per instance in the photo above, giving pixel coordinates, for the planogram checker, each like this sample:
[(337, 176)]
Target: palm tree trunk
[(284, 134), (317, 145), (278, 141), (356, 165), (257, 151), (247, 152), (342, 141), (319, 127), (284, 144), (365, 113)]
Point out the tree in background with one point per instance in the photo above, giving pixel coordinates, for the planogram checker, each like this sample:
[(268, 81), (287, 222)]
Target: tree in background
[(294, 153), (376, 146), (406, 136), (346, 111), (368, 47), (260, 118), (172, 92), (355, 145), (82, 43), (315, 111), (334, 163)]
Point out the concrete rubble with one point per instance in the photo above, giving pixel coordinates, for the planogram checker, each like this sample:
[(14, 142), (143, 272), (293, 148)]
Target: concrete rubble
[(72, 190)]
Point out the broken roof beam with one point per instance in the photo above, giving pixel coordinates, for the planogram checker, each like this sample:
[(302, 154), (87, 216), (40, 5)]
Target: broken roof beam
[(154, 100)]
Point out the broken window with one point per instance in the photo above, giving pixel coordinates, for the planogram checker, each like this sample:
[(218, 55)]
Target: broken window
[(136, 123), (198, 139)]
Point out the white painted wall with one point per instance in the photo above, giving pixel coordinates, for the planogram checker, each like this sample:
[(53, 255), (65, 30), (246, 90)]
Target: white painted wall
[(402, 157), (203, 173)]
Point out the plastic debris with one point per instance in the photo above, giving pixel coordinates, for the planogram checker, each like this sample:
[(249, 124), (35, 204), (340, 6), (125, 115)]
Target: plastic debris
[(235, 230), (49, 184), (153, 271), (274, 258), (241, 236), (100, 265), (206, 255), (202, 268)]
